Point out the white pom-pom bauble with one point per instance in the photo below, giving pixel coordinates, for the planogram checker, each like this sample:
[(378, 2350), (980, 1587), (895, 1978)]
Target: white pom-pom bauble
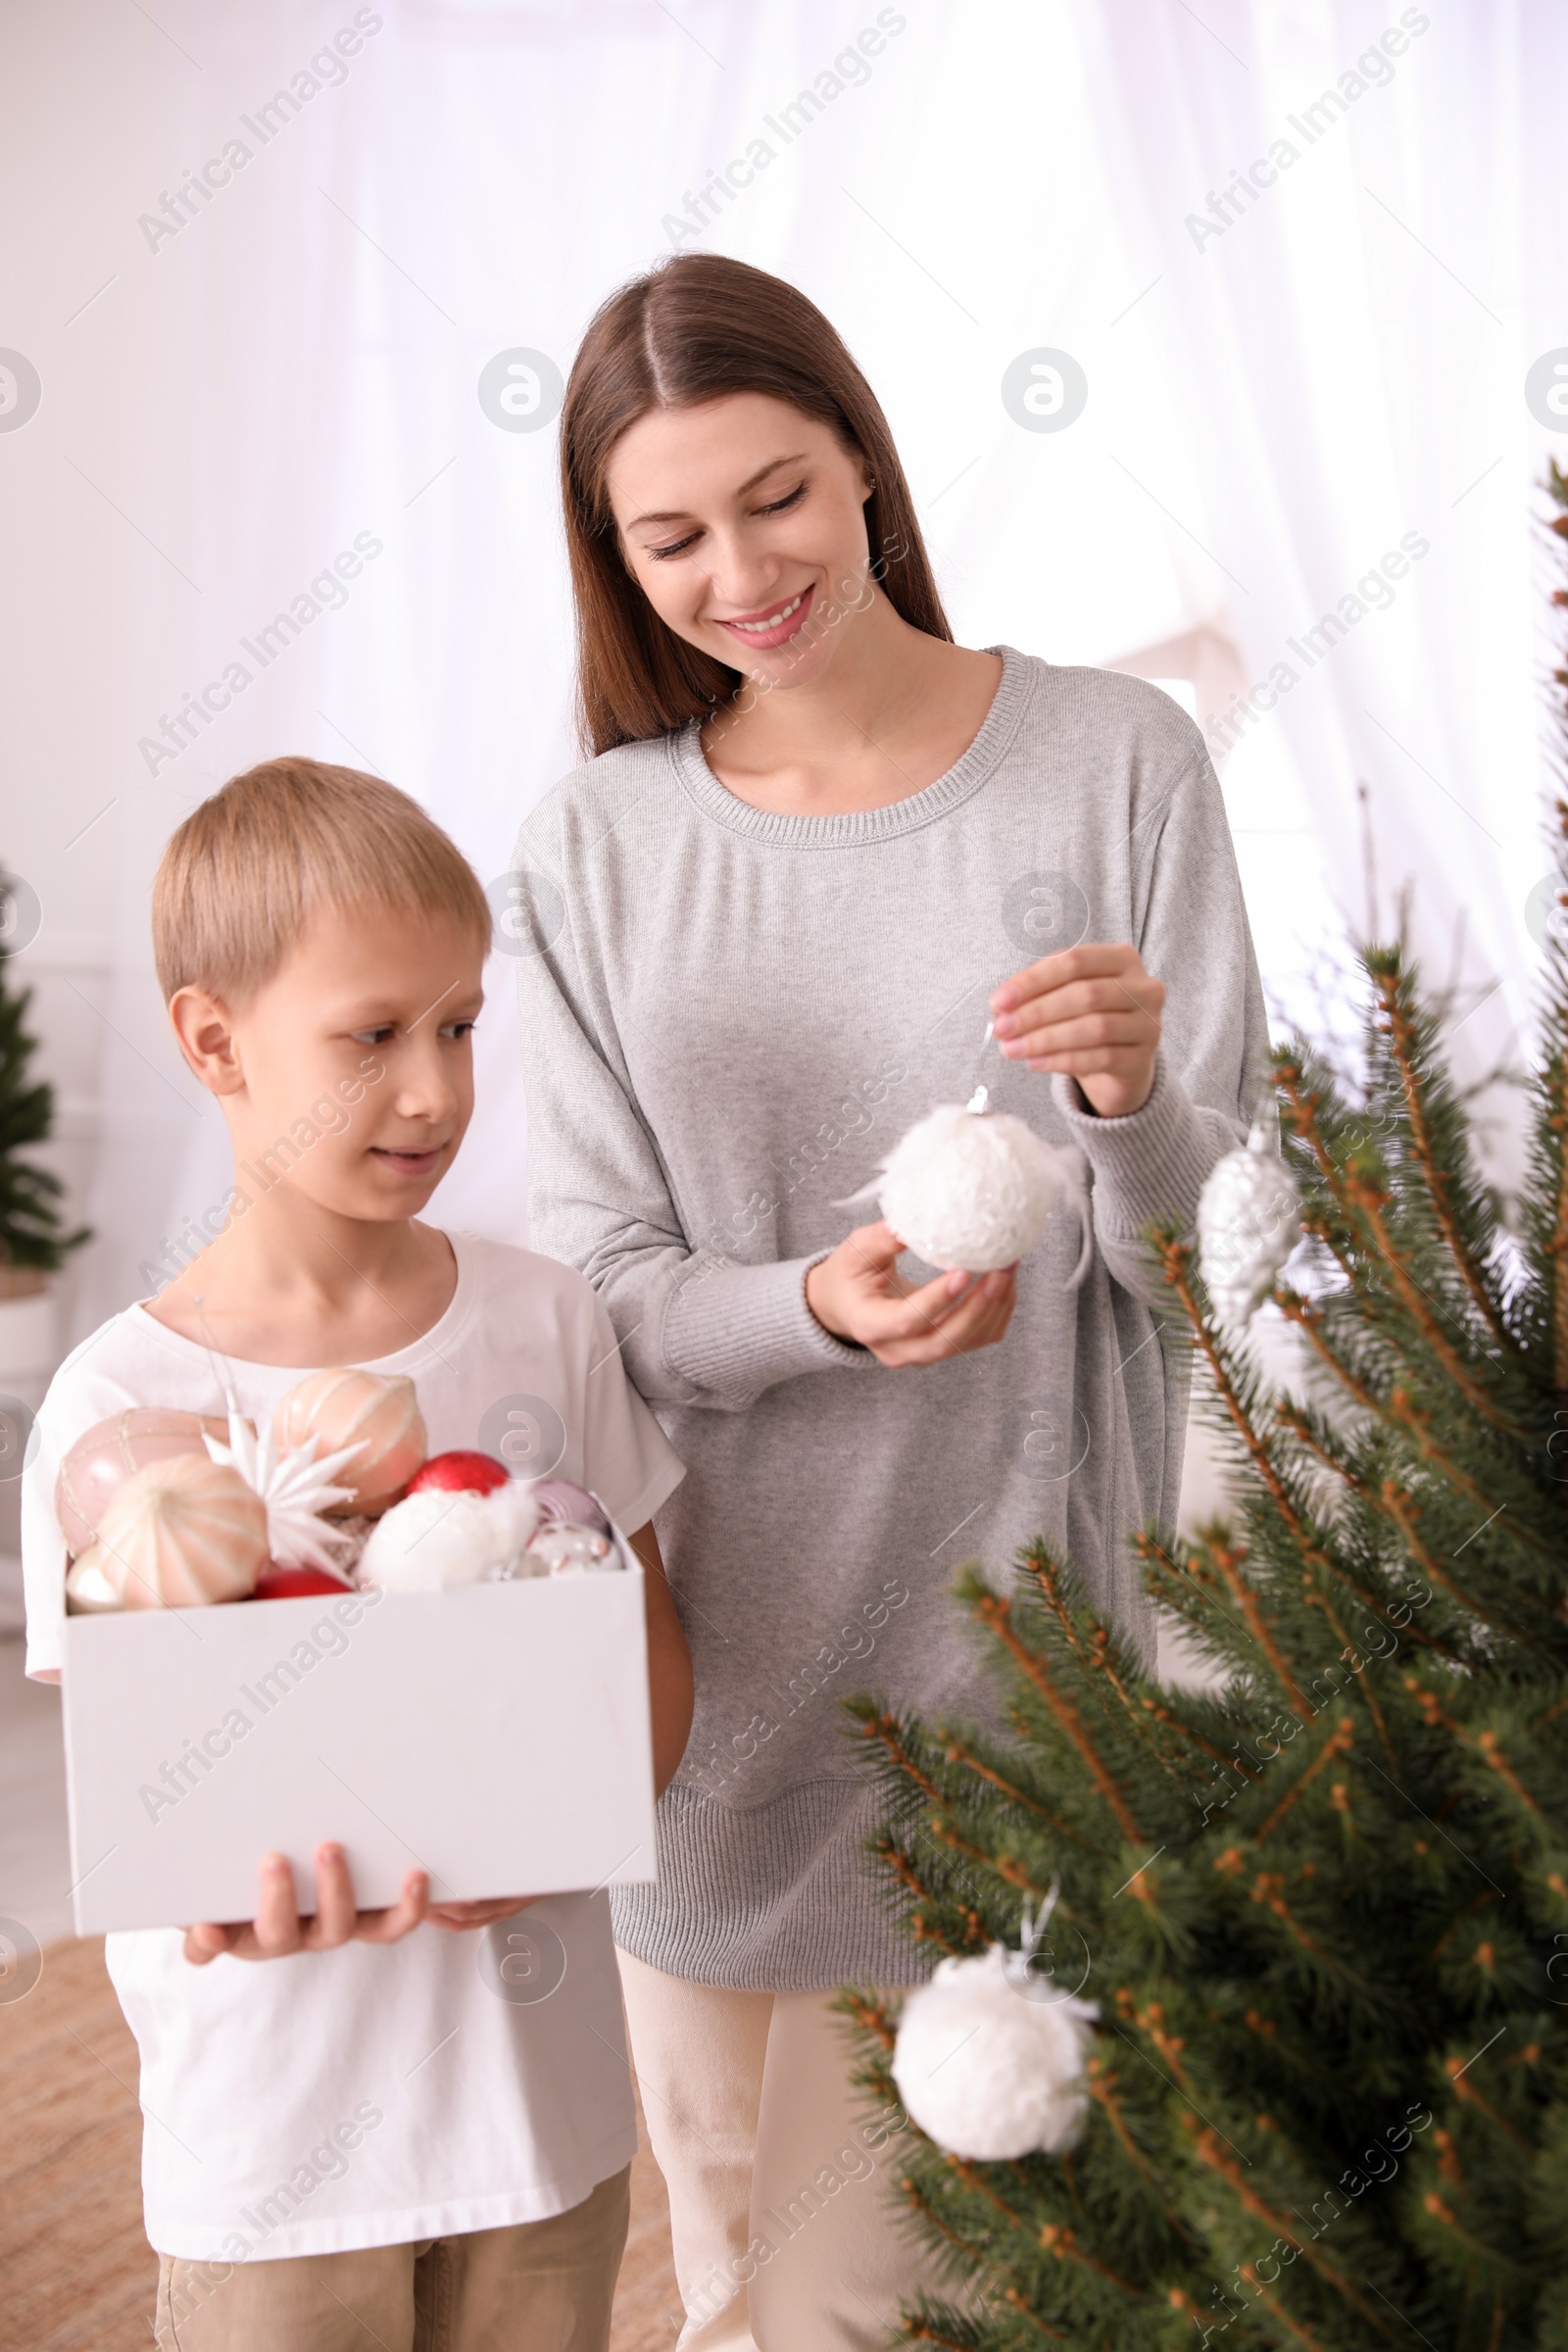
[(987, 2071), (1249, 1221), (435, 1540), (179, 1533), (975, 1189)]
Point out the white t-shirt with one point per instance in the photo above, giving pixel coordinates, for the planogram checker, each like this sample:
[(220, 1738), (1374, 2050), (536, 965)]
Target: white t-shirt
[(378, 2096)]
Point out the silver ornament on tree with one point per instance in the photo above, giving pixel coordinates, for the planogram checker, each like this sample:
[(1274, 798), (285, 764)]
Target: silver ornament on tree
[(989, 2060), (973, 1189), (1249, 1221)]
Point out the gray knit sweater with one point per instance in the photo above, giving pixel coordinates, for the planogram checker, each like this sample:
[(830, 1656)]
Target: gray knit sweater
[(729, 1018)]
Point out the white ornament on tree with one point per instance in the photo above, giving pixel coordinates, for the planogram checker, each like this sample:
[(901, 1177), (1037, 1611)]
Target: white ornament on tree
[(1249, 1221), (974, 1189), (987, 2067)]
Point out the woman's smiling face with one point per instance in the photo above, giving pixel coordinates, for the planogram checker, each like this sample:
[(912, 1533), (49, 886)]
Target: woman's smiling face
[(743, 523)]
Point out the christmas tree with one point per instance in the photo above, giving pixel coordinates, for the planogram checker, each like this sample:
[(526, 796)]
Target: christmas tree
[(1322, 1902), (31, 1242)]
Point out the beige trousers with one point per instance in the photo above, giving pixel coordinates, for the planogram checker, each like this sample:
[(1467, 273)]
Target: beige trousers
[(783, 2203), (539, 2286)]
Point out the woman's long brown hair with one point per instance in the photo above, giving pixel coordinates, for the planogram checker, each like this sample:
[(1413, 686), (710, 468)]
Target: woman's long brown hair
[(697, 327)]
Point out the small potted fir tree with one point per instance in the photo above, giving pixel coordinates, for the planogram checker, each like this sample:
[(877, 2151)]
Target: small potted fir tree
[(33, 1242)]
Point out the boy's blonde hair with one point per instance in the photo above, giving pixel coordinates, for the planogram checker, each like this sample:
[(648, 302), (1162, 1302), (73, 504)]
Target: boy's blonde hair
[(241, 877)]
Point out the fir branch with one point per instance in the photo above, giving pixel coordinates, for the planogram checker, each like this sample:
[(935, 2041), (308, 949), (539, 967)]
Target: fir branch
[(1288, 2321), (1175, 1259), (938, 2223), (1100, 2080), (1308, 1321), (871, 2016), (1095, 1654), (1493, 2256), (1339, 1742), (1005, 1867), (975, 2181), (1484, 1744), (1015, 2302), (1399, 1507), (921, 2331), (1174, 1578), (885, 1730), (1403, 1043), (1151, 2021), (1365, 1690), (1167, 1717), (1304, 1107), (896, 1859), (1372, 1199), (1407, 1415), (1062, 2243), (1362, 1204), (1227, 1560), (1301, 1429), (1209, 2150), (1268, 1890), (1401, 1415), (995, 1613), (957, 1751), (1468, 2095), (1555, 1246)]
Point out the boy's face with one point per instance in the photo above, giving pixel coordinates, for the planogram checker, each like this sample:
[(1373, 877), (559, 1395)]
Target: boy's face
[(350, 1074)]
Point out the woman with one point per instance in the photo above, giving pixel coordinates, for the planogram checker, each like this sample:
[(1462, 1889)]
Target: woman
[(773, 914)]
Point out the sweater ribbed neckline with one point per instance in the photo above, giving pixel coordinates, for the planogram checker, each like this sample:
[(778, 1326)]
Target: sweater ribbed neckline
[(852, 828)]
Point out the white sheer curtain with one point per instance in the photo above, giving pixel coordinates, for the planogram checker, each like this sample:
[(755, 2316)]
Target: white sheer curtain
[(230, 403), (1354, 220)]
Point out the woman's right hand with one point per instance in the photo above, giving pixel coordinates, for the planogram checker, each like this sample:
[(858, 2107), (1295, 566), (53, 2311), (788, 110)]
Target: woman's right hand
[(858, 1293)]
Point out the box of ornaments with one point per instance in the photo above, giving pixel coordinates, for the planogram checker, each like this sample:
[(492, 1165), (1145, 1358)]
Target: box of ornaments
[(313, 1631)]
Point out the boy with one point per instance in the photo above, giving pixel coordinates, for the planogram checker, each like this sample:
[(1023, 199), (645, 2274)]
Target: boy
[(348, 2145)]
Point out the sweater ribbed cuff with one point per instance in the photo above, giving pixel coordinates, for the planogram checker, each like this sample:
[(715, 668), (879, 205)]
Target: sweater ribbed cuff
[(1151, 1163), (737, 1330)]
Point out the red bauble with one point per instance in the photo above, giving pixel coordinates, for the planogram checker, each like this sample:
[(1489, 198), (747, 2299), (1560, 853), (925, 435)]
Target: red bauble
[(458, 1473), (296, 1583)]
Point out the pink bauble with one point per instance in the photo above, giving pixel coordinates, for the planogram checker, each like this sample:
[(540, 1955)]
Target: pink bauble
[(99, 1463), (182, 1532), (559, 1499), (346, 1406)]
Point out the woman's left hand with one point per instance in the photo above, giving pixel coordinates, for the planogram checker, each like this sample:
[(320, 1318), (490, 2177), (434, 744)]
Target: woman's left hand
[(461, 1919), (1090, 1011)]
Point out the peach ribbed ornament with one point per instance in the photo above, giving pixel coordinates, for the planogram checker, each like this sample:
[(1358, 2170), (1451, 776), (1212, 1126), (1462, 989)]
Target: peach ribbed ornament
[(181, 1533), (374, 1410), (99, 1463)]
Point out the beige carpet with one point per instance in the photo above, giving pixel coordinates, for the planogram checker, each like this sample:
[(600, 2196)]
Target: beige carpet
[(75, 2272)]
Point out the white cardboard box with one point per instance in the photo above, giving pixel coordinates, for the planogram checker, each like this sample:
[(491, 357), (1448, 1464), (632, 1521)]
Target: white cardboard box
[(497, 1735)]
